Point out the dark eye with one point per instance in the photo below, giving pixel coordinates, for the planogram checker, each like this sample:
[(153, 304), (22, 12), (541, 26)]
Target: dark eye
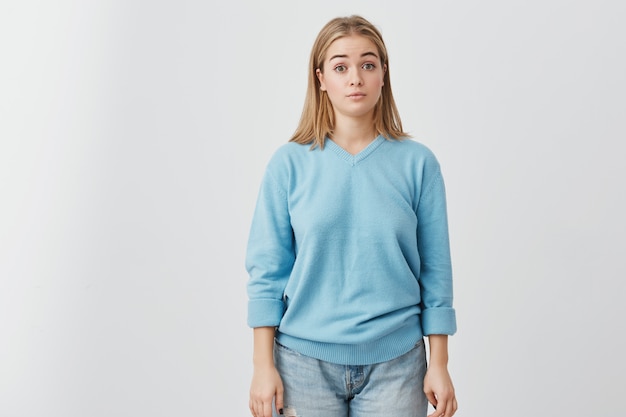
[(368, 66), (340, 68)]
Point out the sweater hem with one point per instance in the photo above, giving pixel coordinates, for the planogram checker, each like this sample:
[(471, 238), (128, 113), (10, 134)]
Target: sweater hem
[(383, 349)]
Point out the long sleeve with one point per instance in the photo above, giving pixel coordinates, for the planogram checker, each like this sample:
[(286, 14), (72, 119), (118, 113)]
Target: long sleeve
[(438, 315), (270, 255), (348, 255)]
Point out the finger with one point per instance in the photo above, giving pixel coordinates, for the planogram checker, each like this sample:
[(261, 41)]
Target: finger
[(447, 407), (439, 403), (259, 409), (433, 402), (441, 409), (431, 398), (267, 409), (444, 409), (455, 406), (252, 407), (279, 400)]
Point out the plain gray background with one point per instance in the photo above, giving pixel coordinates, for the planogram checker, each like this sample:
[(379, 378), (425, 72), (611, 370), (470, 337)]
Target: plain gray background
[(133, 137)]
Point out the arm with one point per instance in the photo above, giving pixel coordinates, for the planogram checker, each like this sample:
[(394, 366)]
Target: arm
[(438, 316), (437, 383), (269, 260), (270, 255), (266, 382)]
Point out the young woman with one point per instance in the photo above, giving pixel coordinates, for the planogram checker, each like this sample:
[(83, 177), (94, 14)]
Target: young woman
[(348, 253)]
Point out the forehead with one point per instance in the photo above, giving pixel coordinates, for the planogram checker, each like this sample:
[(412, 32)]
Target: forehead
[(352, 46)]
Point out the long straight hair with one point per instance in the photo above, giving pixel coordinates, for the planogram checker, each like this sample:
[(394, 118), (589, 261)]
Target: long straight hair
[(317, 120)]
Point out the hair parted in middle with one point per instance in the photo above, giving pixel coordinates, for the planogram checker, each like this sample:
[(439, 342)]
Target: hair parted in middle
[(317, 120)]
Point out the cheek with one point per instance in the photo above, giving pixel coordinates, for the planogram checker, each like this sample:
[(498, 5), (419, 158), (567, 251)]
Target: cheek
[(378, 82), (333, 84)]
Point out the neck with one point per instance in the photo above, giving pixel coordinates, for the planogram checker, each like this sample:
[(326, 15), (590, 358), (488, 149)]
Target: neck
[(354, 134)]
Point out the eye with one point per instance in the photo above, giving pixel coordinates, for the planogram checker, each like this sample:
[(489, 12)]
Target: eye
[(340, 68), (368, 66)]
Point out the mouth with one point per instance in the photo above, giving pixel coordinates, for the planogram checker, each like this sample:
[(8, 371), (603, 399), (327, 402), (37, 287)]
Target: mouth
[(356, 95)]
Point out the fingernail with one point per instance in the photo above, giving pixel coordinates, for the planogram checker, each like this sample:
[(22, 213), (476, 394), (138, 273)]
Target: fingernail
[(280, 411)]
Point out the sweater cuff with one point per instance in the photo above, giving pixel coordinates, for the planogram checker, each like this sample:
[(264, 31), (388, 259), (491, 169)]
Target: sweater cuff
[(265, 312), (439, 320)]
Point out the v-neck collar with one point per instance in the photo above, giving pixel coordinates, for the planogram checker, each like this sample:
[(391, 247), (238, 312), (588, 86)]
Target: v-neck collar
[(354, 159)]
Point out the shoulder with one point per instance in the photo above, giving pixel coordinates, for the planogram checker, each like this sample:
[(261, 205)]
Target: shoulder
[(411, 149), (288, 153), (412, 146), (287, 158), (290, 150)]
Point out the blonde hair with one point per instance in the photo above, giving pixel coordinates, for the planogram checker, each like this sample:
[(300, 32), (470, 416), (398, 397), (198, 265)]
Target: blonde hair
[(317, 120)]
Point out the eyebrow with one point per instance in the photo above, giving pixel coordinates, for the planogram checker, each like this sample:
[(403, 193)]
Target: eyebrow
[(362, 55)]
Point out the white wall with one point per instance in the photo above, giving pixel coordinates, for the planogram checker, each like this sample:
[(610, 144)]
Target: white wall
[(133, 135)]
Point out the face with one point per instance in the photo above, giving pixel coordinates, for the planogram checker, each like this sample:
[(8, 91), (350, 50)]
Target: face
[(352, 76)]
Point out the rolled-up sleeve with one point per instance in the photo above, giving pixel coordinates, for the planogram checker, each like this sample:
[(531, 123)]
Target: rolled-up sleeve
[(438, 315), (270, 255)]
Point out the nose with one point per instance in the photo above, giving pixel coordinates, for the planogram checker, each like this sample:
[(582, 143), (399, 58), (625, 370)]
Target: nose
[(355, 79)]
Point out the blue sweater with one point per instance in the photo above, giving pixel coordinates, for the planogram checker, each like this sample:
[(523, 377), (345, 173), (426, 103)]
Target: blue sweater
[(348, 255)]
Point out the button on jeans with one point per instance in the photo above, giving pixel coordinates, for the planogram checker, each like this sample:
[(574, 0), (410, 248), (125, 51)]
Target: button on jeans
[(315, 388)]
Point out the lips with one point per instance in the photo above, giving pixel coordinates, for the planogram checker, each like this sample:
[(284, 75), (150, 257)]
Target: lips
[(356, 95)]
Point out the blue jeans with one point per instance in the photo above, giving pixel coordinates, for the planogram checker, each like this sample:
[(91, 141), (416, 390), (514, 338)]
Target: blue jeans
[(315, 388)]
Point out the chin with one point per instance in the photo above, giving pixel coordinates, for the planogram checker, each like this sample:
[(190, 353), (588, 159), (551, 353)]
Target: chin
[(359, 114)]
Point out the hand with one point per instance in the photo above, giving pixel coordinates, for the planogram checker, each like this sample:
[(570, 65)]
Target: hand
[(440, 391), (266, 386)]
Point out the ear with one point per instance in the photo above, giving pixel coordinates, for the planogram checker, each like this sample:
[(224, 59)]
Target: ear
[(320, 77)]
